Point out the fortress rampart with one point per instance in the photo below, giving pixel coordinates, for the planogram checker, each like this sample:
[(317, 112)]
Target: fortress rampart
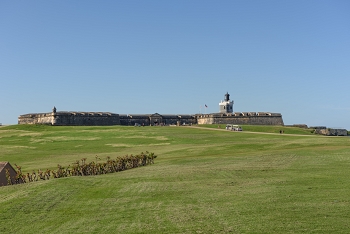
[(71, 118), (37, 118), (156, 118), (226, 116), (330, 131), (106, 118), (241, 118)]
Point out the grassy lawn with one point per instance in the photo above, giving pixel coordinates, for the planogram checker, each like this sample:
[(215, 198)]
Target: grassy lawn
[(266, 129), (203, 181)]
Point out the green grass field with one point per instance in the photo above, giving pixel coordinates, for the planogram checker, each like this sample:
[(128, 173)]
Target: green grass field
[(204, 180)]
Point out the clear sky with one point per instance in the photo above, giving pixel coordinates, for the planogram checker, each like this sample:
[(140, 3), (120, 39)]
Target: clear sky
[(171, 57)]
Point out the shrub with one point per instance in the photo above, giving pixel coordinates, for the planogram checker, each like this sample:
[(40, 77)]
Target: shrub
[(82, 168)]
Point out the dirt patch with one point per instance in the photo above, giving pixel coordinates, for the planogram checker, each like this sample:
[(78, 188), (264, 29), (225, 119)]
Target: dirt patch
[(119, 145), (64, 138)]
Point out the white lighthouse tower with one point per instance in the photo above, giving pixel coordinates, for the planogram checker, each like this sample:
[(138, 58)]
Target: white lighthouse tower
[(226, 106)]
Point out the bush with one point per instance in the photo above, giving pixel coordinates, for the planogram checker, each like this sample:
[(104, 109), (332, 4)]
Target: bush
[(82, 168)]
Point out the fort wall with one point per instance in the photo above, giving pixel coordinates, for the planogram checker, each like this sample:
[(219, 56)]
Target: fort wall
[(242, 118), (226, 116), (157, 119), (38, 118), (106, 118), (131, 120), (71, 118), (331, 132), (86, 118)]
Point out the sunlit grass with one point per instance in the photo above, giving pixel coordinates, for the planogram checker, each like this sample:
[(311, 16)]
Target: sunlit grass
[(203, 181), (266, 129)]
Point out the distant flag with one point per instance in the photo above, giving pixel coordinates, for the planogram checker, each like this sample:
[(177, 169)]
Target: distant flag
[(206, 106)]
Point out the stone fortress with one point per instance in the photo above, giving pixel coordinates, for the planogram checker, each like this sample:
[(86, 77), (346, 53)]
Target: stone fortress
[(224, 116)]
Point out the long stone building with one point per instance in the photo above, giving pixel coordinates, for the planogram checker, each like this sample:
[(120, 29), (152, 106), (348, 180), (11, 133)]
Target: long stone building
[(225, 116)]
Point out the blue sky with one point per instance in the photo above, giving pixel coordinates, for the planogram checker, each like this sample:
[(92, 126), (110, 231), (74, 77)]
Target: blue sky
[(171, 57)]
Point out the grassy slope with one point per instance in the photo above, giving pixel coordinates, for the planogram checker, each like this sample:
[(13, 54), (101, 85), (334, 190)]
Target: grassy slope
[(203, 181), (266, 129)]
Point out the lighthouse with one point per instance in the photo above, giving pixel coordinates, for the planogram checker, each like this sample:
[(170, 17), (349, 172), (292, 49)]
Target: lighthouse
[(226, 106)]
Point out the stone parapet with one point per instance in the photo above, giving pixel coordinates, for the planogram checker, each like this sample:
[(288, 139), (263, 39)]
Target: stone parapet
[(241, 118), (71, 118), (86, 118), (37, 118), (331, 132), (156, 119)]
